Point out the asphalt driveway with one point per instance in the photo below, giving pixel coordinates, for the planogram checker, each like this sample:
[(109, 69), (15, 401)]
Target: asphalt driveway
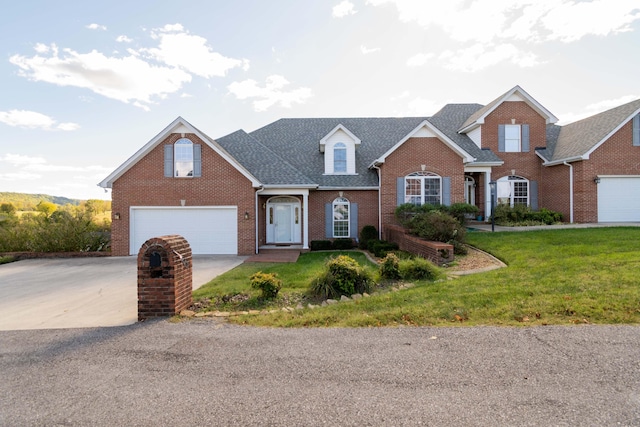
[(82, 292), (207, 373)]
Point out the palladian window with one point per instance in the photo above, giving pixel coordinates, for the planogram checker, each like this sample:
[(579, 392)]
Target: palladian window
[(513, 190), (423, 188)]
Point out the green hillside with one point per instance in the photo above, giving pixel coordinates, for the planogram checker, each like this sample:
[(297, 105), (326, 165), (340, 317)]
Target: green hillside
[(28, 202)]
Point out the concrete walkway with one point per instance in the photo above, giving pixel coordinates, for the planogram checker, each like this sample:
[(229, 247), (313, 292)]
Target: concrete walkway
[(484, 226), (83, 292)]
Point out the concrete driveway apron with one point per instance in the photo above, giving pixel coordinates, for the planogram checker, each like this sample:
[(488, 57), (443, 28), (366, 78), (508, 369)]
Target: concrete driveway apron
[(82, 292)]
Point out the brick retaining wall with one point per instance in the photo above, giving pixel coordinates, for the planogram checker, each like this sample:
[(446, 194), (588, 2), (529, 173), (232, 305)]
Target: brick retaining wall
[(437, 252)]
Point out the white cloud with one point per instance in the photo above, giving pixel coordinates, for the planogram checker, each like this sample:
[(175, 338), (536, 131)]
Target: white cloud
[(123, 39), (33, 120), (19, 176), (365, 50), (271, 94), (140, 77), (127, 79), (20, 160), (96, 27), (342, 9), (182, 50), (481, 56), (595, 108), (419, 59), (482, 21)]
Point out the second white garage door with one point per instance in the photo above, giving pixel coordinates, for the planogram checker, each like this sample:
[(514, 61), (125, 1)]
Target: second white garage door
[(619, 199), (209, 230)]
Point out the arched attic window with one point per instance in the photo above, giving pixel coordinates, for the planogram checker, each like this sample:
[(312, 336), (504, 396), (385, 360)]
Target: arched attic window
[(183, 159)]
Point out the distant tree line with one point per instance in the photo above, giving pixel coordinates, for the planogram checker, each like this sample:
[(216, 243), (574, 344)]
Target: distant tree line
[(55, 228)]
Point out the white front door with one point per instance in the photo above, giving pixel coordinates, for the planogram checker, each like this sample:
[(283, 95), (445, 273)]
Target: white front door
[(283, 220)]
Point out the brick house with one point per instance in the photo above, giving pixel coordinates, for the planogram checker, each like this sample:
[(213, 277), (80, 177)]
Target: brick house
[(298, 180)]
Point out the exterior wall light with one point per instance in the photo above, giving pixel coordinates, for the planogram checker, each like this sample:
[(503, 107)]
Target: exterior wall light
[(596, 180), (246, 215), (116, 215)]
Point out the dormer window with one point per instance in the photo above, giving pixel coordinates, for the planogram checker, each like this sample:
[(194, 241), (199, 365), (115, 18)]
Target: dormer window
[(340, 158), (339, 148)]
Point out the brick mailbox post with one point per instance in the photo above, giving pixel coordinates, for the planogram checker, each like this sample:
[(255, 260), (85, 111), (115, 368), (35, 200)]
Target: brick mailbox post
[(165, 278)]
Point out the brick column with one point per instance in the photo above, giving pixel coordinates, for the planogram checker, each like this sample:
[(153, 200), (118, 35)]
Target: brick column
[(165, 277)]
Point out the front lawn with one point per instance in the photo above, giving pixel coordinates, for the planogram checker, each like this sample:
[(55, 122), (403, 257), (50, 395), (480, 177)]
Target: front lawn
[(571, 276)]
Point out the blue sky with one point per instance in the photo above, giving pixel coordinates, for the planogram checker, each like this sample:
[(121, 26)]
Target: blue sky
[(85, 84)]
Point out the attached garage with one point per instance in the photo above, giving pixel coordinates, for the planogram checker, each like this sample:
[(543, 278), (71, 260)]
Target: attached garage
[(619, 199), (208, 229)]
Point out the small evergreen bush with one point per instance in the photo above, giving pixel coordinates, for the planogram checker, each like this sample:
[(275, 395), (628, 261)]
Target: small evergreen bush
[(460, 211), (268, 283), (389, 267), (342, 244), (367, 233), (418, 269), (320, 245), (380, 248), (342, 276)]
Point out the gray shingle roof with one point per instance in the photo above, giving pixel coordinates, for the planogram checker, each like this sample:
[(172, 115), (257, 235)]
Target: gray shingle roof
[(264, 164), (298, 141), (578, 138), (450, 118)]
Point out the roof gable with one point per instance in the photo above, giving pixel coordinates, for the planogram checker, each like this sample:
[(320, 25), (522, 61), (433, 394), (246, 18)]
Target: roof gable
[(179, 125), (336, 130), (426, 129), (576, 141), (515, 94)]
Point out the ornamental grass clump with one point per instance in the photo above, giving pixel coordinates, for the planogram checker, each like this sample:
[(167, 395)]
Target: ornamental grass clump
[(342, 275), (418, 269), (390, 267), (268, 283)]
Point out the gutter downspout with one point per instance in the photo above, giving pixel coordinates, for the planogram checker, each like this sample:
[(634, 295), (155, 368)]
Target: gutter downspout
[(258, 191), (570, 191), (379, 202)]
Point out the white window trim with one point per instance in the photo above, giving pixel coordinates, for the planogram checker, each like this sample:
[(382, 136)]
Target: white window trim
[(340, 201), (182, 141), (422, 176), (506, 139), (509, 192)]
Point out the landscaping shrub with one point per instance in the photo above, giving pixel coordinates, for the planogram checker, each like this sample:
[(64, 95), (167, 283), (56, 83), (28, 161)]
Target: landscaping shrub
[(380, 248), (523, 215), (418, 269), (268, 283), (406, 211), (320, 245), (389, 267), (342, 276), (440, 227), (367, 233), (342, 244), (460, 211)]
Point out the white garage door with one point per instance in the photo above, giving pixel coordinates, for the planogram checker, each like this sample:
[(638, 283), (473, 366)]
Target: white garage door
[(619, 199), (209, 230)]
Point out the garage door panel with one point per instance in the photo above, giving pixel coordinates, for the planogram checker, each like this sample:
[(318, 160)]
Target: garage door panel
[(209, 230), (619, 199)]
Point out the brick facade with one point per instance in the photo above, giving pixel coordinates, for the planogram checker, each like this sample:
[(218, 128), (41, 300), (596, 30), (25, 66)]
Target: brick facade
[(145, 185), (437, 158)]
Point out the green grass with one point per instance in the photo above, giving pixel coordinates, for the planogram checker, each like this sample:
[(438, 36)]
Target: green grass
[(232, 290), (570, 276)]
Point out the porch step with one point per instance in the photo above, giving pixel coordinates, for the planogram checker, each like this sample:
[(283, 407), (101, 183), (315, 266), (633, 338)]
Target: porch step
[(275, 255)]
